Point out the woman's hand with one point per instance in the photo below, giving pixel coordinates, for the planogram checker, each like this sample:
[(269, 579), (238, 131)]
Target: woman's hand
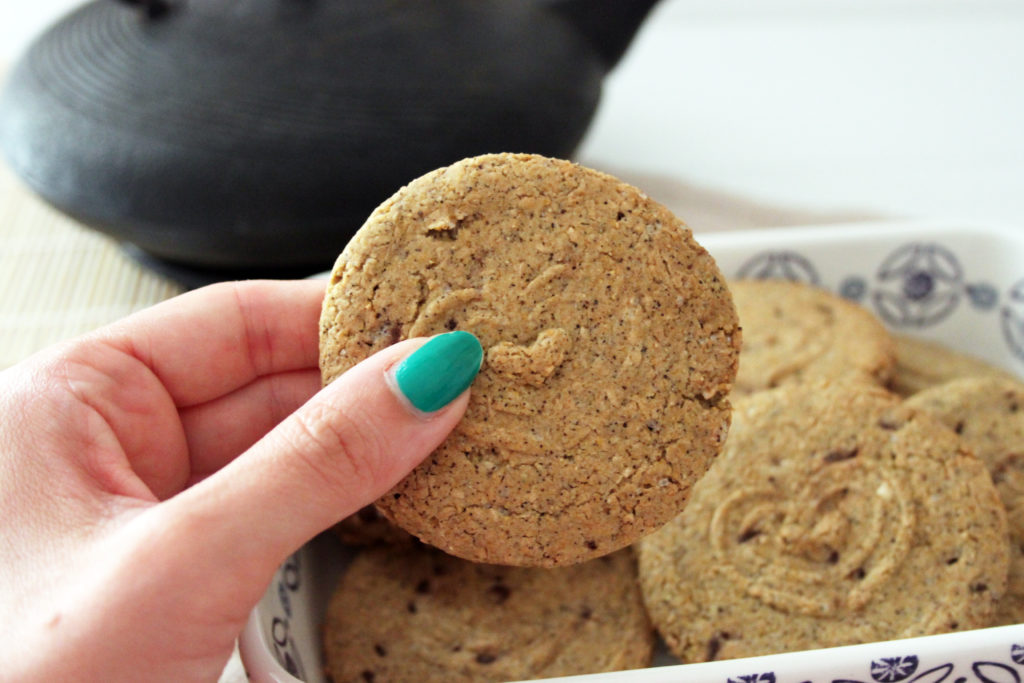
[(154, 474)]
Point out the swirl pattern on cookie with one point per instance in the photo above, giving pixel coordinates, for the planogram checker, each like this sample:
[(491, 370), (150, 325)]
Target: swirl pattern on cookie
[(834, 515), (793, 546)]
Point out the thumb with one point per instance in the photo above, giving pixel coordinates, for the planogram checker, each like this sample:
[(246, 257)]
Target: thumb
[(347, 446)]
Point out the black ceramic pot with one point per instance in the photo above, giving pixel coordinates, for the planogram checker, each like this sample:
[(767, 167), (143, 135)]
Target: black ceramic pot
[(230, 138)]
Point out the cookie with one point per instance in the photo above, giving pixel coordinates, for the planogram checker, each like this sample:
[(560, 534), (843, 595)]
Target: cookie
[(835, 515), (416, 614), (610, 341), (369, 527), (793, 331), (921, 364), (988, 414)]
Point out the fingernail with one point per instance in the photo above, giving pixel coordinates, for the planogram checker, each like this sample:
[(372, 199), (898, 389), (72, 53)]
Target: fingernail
[(436, 373)]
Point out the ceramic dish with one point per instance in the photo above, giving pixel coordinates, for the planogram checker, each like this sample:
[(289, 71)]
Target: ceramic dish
[(957, 283)]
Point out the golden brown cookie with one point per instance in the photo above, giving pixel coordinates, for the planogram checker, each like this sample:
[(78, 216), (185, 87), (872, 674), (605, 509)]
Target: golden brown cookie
[(921, 364), (416, 614), (610, 344), (794, 331), (834, 515), (988, 414)]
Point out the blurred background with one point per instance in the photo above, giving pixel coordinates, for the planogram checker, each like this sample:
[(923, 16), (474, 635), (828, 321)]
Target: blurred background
[(734, 113)]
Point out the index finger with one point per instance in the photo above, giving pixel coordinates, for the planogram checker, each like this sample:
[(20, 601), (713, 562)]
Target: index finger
[(214, 340)]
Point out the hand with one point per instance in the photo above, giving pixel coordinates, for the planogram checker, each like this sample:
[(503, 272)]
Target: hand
[(153, 475)]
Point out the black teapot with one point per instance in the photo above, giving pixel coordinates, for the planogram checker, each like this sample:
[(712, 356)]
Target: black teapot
[(232, 138)]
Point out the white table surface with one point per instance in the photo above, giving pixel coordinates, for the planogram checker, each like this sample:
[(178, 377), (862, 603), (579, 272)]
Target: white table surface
[(896, 108)]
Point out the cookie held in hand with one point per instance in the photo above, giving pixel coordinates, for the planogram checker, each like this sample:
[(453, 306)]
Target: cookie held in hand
[(610, 340)]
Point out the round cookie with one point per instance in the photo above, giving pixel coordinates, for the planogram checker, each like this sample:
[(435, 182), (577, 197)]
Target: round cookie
[(610, 345), (921, 364), (834, 515), (794, 331), (988, 414), (416, 614)]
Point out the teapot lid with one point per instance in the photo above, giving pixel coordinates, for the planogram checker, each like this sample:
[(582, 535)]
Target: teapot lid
[(258, 135)]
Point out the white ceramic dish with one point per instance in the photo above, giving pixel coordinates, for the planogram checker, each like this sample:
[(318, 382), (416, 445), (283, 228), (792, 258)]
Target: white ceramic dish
[(958, 283)]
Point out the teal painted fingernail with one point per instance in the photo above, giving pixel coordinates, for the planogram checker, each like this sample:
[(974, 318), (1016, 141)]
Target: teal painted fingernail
[(437, 372)]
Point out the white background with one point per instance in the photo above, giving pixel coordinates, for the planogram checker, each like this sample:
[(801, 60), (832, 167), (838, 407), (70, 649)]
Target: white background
[(883, 107)]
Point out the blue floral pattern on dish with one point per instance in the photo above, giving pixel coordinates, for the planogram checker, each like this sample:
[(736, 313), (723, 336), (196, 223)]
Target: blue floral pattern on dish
[(903, 668), (893, 669), (780, 265), (917, 285), (921, 284), (853, 288), (983, 296)]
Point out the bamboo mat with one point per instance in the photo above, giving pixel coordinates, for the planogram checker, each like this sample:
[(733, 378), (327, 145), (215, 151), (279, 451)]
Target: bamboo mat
[(59, 279)]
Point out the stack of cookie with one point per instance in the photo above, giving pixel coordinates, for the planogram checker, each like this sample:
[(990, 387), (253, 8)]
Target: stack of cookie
[(835, 511), (611, 344), (840, 511)]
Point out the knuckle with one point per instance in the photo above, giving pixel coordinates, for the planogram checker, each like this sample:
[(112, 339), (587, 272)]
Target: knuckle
[(341, 449)]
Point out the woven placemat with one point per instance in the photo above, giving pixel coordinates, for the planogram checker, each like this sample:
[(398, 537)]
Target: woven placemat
[(59, 279)]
